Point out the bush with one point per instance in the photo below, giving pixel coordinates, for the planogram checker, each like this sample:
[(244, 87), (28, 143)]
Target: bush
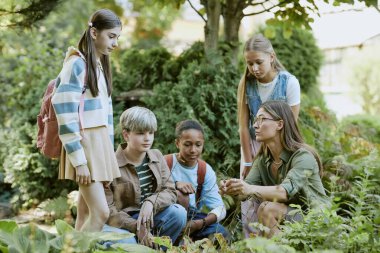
[(364, 126), (139, 68), (206, 93), (357, 231)]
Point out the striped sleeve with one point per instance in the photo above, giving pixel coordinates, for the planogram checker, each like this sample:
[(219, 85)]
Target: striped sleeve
[(66, 101)]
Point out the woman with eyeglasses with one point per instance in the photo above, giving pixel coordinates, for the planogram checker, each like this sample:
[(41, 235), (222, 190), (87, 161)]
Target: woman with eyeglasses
[(286, 170)]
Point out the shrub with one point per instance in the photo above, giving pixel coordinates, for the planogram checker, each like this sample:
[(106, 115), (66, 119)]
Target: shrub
[(195, 53), (357, 231), (139, 68), (206, 93), (364, 126)]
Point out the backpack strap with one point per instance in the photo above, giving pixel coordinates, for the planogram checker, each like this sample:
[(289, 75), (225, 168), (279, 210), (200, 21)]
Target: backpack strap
[(201, 173), (169, 161)]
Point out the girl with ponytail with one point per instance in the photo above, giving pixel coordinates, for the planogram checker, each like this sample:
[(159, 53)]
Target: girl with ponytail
[(83, 105)]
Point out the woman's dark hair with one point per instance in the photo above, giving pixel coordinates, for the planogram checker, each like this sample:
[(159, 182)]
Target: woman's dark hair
[(186, 125), (291, 138), (101, 20)]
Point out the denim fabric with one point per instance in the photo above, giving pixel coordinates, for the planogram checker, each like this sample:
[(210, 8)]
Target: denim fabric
[(169, 222), (254, 100), (208, 230)]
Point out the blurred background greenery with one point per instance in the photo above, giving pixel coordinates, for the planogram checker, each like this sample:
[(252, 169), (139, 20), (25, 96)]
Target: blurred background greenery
[(199, 83)]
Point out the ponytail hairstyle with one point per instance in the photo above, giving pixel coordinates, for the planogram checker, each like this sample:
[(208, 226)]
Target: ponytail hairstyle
[(290, 135), (257, 43), (100, 20)]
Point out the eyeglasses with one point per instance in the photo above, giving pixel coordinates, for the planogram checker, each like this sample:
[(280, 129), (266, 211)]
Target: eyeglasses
[(260, 120)]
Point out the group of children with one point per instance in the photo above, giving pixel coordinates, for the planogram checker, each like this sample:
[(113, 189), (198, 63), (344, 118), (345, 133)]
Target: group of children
[(144, 199), (135, 190), (139, 190)]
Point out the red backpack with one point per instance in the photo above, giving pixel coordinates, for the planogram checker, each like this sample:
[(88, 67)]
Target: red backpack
[(48, 141), (201, 174)]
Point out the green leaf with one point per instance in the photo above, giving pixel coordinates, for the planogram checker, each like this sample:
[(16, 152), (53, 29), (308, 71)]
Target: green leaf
[(84, 241), (57, 242), (63, 227), (287, 32), (270, 32), (111, 236), (30, 239), (136, 248), (163, 241), (8, 226), (3, 249)]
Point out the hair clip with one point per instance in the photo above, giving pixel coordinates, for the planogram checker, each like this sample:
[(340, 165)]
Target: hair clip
[(90, 24)]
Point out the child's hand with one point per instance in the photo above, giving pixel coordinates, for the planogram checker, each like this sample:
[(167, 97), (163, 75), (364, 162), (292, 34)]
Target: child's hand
[(83, 174), (145, 237), (184, 187), (145, 218), (193, 226)]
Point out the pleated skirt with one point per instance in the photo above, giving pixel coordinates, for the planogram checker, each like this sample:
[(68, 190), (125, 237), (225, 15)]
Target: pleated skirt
[(100, 155)]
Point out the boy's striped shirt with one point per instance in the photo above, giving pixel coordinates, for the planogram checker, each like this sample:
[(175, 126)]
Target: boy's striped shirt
[(146, 179)]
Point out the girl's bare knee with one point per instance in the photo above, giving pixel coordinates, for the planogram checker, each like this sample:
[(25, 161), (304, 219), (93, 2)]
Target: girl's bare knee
[(102, 215)]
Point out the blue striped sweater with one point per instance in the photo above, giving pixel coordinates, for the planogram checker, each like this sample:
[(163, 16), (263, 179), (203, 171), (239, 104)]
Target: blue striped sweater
[(97, 110)]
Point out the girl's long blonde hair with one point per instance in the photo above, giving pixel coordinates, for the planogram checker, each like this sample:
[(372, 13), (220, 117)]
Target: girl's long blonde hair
[(261, 44)]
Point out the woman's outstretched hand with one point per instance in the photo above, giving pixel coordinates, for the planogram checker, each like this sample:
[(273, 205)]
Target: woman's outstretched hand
[(235, 187)]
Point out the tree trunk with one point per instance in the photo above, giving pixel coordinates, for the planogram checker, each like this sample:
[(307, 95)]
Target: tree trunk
[(232, 15), (211, 30)]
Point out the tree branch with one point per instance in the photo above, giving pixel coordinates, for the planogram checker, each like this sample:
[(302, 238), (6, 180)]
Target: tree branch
[(192, 6), (266, 9), (30, 14), (254, 4)]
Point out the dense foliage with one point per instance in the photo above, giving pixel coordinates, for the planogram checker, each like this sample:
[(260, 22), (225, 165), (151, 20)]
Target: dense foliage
[(206, 93), (300, 55)]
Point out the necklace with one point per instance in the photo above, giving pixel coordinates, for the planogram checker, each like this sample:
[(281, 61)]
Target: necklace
[(278, 163)]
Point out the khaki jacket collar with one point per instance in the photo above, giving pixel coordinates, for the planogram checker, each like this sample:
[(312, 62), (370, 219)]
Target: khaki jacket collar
[(122, 160)]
